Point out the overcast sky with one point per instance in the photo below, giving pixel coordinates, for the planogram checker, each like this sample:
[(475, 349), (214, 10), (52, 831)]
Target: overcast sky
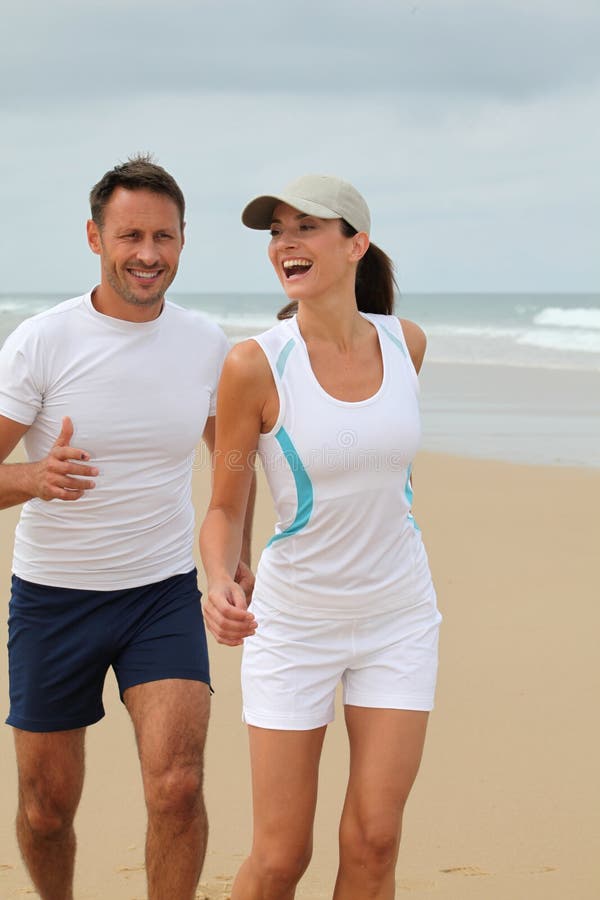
[(471, 127)]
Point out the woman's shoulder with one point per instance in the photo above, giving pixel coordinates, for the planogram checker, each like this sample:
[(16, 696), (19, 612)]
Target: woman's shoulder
[(405, 333), (246, 358), (277, 343), (255, 360), (416, 341)]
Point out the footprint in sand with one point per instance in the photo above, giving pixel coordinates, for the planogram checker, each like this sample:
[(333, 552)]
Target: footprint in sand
[(126, 870), (464, 870), (414, 885)]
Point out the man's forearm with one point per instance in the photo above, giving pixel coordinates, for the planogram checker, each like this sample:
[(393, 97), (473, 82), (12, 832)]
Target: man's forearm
[(15, 484)]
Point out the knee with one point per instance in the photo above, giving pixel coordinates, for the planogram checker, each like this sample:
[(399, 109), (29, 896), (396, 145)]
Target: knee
[(47, 815), (279, 869), (380, 850), (175, 792), (372, 848)]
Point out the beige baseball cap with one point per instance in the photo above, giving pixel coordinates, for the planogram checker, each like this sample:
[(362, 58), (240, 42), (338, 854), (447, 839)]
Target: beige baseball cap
[(323, 196)]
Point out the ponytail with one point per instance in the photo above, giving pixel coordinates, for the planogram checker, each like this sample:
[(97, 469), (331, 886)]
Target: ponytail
[(375, 282)]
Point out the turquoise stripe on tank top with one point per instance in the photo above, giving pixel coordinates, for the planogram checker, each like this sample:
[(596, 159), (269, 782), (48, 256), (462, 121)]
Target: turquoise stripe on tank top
[(408, 491), (394, 339), (283, 356), (304, 488)]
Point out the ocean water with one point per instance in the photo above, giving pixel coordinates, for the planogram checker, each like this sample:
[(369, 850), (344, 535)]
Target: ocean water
[(507, 376)]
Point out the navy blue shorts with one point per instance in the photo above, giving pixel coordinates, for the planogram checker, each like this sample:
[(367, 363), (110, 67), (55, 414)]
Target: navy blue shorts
[(62, 641)]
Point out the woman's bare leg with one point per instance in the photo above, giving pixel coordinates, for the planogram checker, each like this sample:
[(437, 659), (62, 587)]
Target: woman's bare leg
[(385, 752), (285, 767)]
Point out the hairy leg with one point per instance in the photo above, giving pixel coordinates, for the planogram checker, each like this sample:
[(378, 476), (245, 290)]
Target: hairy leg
[(285, 767), (385, 752), (51, 769), (170, 718)]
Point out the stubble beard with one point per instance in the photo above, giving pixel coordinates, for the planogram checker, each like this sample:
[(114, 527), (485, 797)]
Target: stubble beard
[(123, 291)]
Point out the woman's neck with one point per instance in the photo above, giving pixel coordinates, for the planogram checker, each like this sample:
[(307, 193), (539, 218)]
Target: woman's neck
[(335, 322)]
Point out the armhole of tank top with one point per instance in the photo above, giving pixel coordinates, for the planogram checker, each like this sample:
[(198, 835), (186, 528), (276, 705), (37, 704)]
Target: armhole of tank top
[(278, 388), (410, 364), (392, 326)]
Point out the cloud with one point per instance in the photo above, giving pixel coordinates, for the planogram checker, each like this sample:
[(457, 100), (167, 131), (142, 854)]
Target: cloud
[(69, 51), (463, 196), (470, 127)]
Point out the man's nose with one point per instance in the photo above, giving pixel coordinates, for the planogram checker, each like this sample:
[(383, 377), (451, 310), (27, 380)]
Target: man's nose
[(148, 252)]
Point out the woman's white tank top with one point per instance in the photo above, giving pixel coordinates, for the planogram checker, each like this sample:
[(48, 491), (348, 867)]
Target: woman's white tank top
[(339, 472)]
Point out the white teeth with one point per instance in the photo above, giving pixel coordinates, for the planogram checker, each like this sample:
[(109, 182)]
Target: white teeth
[(144, 274), (290, 263)]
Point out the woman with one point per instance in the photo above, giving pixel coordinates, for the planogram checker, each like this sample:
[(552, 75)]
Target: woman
[(343, 589)]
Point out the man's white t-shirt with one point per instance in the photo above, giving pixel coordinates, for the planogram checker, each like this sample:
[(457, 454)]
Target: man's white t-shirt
[(139, 395)]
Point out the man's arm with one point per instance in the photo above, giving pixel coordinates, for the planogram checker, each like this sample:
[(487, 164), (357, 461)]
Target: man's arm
[(14, 482), (48, 479)]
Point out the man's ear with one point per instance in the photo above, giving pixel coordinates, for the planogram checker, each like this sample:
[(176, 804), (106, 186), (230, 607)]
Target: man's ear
[(183, 234), (93, 237)]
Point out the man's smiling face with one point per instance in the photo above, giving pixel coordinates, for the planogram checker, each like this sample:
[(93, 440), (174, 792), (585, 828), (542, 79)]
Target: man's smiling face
[(139, 242)]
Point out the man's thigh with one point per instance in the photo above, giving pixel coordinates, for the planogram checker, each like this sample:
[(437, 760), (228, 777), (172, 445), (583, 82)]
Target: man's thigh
[(51, 770), (170, 718)]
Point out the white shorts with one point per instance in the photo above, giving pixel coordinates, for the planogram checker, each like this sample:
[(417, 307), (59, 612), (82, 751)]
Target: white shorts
[(291, 667)]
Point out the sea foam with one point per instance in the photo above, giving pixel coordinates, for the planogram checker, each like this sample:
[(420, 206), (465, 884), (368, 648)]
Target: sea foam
[(578, 317)]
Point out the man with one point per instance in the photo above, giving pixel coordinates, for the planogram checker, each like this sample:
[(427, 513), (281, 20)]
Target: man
[(111, 392)]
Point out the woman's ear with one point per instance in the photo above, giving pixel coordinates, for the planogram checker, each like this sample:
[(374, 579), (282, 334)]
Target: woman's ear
[(360, 245)]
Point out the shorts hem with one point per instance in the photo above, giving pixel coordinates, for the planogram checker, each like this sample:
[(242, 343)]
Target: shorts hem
[(200, 675), (41, 726), (416, 704), (285, 723)]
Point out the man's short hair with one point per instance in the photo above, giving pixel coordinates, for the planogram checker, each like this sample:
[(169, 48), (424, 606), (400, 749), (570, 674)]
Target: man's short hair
[(138, 173)]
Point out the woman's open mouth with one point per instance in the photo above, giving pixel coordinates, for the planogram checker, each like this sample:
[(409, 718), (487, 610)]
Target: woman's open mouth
[(293, 267)]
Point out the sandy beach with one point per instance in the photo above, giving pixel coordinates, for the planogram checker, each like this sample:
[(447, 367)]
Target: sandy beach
[(506, 804)]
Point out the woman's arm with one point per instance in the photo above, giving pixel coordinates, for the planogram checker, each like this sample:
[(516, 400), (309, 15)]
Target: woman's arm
[(243, 576), (245, 384)]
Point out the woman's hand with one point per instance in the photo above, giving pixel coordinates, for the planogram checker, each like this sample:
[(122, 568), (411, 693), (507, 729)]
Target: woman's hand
[(226, 612), (244, 576)]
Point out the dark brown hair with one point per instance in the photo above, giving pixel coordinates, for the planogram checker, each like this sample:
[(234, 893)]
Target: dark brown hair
[(138, 173), (375, 282)]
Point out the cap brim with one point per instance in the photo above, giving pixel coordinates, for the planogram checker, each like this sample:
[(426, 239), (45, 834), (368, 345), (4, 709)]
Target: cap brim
[(259, 212)]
